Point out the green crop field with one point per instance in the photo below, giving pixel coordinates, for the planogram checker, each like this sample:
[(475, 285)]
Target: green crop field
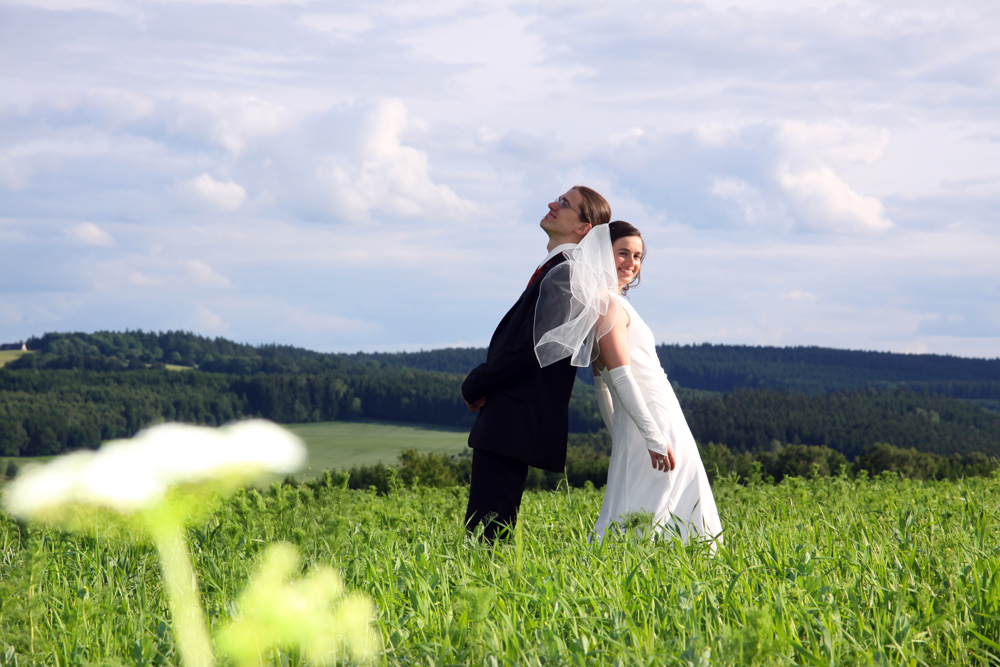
[(339, 445), (7, 356), (829, 571), (342, 445), (175, 367)]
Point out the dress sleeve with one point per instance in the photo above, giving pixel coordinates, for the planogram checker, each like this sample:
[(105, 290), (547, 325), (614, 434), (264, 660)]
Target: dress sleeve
[(633, 403)]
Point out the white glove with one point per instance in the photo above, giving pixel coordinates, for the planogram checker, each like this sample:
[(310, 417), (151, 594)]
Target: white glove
[(631, 399), (604, 403)]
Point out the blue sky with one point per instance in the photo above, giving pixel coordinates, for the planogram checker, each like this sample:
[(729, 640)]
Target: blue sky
[(370, 175)]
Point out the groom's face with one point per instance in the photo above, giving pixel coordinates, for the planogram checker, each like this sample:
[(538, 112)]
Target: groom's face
[(563, 216)]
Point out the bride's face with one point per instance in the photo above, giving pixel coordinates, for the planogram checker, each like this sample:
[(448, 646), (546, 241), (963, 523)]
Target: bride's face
[(628, 259)]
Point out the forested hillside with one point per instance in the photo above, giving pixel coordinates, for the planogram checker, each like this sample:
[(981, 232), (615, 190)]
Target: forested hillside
[(107, 350), (76, 390), (848, 421), (815, 370), (49, 411), (721, 368)]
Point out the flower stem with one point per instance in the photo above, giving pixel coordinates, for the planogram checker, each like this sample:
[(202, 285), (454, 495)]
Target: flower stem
[(182, 595)]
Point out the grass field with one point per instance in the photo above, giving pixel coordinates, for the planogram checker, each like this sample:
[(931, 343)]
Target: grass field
[(829, 571), (337, 445), (6, 356)]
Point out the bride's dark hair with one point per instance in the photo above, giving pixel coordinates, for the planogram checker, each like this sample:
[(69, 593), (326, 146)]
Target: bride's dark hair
[(620, 229)]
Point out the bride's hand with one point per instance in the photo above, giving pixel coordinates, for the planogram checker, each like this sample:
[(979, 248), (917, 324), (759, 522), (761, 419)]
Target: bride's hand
[(664, 462)]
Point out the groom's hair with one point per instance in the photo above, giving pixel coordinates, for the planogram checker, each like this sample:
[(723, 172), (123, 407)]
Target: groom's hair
[(595, 209)]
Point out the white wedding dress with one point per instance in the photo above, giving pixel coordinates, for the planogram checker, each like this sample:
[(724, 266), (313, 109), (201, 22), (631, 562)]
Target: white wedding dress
[(576, 307), (681, 500)]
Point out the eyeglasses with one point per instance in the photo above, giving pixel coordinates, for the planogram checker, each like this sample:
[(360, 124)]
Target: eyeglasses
[(564, 203)]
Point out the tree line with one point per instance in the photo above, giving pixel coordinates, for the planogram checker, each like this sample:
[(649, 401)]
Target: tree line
[(139, 350), (846, 420), (720, 368), (816, 370), (48, 411), (771, 412), (587, 465)]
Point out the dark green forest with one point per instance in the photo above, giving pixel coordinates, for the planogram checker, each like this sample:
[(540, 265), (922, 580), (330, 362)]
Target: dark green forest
[(720, 368), (133, 350), (817, 370), (775, 408)]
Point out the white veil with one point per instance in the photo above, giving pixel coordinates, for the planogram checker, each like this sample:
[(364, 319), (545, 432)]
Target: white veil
[(574, 302)]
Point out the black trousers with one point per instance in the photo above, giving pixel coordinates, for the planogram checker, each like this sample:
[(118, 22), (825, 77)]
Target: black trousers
[(495, 492)]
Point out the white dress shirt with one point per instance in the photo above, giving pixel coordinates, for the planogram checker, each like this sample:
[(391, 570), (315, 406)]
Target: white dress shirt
[(555, 251)]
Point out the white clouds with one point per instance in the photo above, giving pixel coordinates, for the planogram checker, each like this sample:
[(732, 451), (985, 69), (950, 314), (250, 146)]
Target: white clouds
[(872, 61), (834, 143), (799, 295), (222, 196), (100, 106), (304, 320), (824, 201), (249, 119), (776, 152), (819, 196), (775, 177), (204, 275), (246, 3), (338, 26), (69, 5), (392, 178), (628, 136), (90, 234), (14, 174), (497, 42), (757, 210), (139, 279), (205, 320)]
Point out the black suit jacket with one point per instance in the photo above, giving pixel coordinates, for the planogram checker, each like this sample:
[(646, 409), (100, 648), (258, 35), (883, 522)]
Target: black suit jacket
[(526, 414)]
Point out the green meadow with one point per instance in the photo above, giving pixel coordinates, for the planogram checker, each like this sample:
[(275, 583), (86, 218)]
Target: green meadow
[(830, 571), (7, 356), (341, 445), (175, 367), (344, 445)]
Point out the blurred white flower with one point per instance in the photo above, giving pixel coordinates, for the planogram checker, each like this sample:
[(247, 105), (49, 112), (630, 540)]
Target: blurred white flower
[(159, 481), (313, 613), (130, 475)]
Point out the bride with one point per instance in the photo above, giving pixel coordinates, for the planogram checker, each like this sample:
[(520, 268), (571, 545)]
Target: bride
[(655, 466)]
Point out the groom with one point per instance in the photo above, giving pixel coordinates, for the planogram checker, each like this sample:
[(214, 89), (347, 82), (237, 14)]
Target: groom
[(523, 408)]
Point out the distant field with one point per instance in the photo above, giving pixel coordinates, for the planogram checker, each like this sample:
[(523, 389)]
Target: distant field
[(20, 462), (345, 444), (7, 356), (334, 445)]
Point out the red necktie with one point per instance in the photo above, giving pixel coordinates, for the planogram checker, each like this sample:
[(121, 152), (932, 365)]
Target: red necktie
[(538, 272)]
